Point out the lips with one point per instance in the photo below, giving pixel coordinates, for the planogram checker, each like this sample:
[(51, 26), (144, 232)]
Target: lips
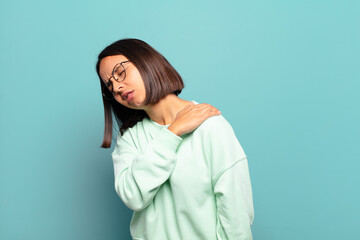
[(125, 94)]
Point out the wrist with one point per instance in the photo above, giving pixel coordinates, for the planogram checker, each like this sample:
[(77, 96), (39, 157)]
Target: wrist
[(174, 130)]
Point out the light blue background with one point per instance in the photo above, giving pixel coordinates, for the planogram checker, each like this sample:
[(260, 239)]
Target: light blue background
[(285, 74)]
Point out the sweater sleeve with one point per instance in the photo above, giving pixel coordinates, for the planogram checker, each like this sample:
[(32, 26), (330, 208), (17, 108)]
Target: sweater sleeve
[(231, 182), (234, 202), (139, 176)]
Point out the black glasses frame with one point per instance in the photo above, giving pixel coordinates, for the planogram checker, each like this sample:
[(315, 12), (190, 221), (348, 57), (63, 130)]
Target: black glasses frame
[(112, 76)]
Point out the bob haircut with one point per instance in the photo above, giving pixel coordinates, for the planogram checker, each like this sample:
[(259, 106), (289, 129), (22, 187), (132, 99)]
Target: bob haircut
[(159, 77)]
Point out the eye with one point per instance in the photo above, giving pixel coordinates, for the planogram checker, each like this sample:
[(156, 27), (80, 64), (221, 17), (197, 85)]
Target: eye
[(119, 73)]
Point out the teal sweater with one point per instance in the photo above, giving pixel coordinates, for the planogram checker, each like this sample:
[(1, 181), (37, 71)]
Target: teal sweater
[(196, 186)]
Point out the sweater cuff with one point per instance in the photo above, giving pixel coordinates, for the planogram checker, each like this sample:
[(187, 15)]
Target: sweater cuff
[(171, 141)]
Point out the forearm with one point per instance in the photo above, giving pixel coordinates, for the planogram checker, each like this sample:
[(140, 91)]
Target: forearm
[(137, 179)]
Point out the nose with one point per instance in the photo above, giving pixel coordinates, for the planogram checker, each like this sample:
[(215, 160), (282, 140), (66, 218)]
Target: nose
[(117, 86)]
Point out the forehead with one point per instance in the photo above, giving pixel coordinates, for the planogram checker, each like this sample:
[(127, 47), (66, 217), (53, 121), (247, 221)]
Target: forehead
[(107, 65)]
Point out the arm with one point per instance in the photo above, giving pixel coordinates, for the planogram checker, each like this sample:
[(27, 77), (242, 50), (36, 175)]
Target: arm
[(231, 181), (234, 201), (139, 176)]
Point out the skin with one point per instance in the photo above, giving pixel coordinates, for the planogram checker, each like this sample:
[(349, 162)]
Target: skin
[(182, 115)]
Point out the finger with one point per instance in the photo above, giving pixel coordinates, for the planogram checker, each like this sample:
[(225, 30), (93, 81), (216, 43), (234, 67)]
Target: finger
[(201, 106), (209, 113), (208, 108), (214, 108)]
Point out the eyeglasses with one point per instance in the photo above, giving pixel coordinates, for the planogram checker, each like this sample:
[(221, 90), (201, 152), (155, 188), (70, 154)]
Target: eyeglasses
[(119, 75)]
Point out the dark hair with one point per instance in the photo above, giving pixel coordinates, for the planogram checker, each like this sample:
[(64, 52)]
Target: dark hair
[(160, 79)]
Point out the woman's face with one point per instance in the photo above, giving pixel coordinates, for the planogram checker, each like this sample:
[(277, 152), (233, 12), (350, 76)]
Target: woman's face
[(132, 83)]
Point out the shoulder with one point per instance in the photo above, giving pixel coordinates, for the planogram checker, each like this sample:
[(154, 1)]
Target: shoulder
[(130, 136), (128, 133), (217, 131), (220, 144), (217, 124)]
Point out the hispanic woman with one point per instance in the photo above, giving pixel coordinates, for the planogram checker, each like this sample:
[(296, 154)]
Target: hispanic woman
[(177, 163)]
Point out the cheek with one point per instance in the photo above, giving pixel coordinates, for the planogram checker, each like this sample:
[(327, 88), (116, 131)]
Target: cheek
[(141, 94), (141, 88)]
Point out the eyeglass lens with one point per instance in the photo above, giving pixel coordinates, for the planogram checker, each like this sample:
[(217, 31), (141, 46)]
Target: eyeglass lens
[(119, 72), (119, 75)]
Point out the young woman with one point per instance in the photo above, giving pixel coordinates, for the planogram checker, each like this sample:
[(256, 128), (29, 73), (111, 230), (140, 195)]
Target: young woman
[(177, 164)]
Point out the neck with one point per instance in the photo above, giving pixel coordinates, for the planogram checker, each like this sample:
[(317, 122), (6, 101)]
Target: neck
[(164, 112)]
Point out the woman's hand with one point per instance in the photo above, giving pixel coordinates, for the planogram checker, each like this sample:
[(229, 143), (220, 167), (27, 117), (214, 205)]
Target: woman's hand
[(192, 116)]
